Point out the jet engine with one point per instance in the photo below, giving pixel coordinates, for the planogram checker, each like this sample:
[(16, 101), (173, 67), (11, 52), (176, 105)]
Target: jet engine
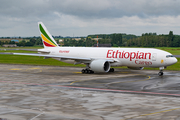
[(136, 68), (100, 66)]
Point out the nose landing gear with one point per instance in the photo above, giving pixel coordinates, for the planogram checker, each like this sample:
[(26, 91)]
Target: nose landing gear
[(161, 71)]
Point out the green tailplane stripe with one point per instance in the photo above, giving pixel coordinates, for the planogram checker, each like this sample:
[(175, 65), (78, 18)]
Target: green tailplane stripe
[(45, 34)]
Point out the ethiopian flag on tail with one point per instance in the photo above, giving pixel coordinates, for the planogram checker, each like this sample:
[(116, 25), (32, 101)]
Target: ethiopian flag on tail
[(48, 40)]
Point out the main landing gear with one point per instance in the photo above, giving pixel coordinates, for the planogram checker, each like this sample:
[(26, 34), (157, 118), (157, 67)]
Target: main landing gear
[(87, 71), (161, 71), (111, 70)]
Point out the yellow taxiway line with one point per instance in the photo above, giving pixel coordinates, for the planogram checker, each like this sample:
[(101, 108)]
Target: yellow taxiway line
[(164, 111)]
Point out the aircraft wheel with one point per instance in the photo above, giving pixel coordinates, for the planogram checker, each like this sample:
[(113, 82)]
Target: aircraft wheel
[(160, 73), (86, 71), (91, 71), (111, 70), (83, 71)]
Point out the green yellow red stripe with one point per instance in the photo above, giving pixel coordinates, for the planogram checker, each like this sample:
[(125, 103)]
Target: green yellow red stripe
[(45, 34), (47, 41)]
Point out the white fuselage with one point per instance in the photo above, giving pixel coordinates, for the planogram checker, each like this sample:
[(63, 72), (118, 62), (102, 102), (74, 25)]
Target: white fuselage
[(131, 57)]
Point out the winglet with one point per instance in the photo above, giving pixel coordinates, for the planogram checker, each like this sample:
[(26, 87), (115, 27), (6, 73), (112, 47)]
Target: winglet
[(48, 40)]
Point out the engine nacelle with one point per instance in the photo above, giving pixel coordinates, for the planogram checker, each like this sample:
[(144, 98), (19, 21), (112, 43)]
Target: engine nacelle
[(100, 66), (136, 68)]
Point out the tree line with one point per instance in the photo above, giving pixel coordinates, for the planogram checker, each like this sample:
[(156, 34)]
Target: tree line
[(113, 39), (153, 40), (25, 42), (116, 40)]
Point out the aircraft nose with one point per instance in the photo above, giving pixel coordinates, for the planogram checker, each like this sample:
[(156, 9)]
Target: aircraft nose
[(174, 60)]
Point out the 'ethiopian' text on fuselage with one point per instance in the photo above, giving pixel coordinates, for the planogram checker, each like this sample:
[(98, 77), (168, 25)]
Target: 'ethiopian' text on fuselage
[(128, 55)]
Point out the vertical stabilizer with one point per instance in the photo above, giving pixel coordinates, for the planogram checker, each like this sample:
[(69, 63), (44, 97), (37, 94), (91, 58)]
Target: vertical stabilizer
[(47, 39)]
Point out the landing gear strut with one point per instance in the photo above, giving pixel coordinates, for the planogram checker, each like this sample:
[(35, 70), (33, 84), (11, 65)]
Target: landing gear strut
[(161, 71), (87, 71)]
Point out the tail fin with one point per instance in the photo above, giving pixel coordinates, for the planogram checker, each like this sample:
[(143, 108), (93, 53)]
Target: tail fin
[(48, 40)]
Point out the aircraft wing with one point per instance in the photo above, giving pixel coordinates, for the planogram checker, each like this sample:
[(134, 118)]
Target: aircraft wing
[(53, 56), (19, 49), (57, 56)]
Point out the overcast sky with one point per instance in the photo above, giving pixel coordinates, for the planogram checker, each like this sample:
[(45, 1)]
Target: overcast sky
[(84, 17)]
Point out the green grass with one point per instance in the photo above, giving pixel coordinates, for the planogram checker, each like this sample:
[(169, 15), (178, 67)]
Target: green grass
[(33, 60), (172, 50)]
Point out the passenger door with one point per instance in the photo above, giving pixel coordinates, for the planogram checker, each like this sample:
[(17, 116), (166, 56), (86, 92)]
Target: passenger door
[(154, 55)]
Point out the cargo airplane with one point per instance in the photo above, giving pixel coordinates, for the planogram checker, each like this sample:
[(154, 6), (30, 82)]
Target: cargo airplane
[(101, 59)]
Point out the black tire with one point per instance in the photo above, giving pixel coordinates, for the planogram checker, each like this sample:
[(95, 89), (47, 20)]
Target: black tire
[(91, 72), (86, 71), (160, 73), (83, 71), (111, 70)]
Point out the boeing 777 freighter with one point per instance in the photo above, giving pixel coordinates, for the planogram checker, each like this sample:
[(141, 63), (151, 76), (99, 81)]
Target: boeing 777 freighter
[(102, 59)]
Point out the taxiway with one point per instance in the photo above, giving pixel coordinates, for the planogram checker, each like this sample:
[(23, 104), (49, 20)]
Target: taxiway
[(55, 93)]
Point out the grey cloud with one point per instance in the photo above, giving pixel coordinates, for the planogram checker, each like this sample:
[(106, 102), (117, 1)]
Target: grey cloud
[(89, 9), (117, 8), (17, 16)]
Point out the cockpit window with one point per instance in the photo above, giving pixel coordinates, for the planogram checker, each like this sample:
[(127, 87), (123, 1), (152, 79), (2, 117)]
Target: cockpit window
[(167, 56)]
